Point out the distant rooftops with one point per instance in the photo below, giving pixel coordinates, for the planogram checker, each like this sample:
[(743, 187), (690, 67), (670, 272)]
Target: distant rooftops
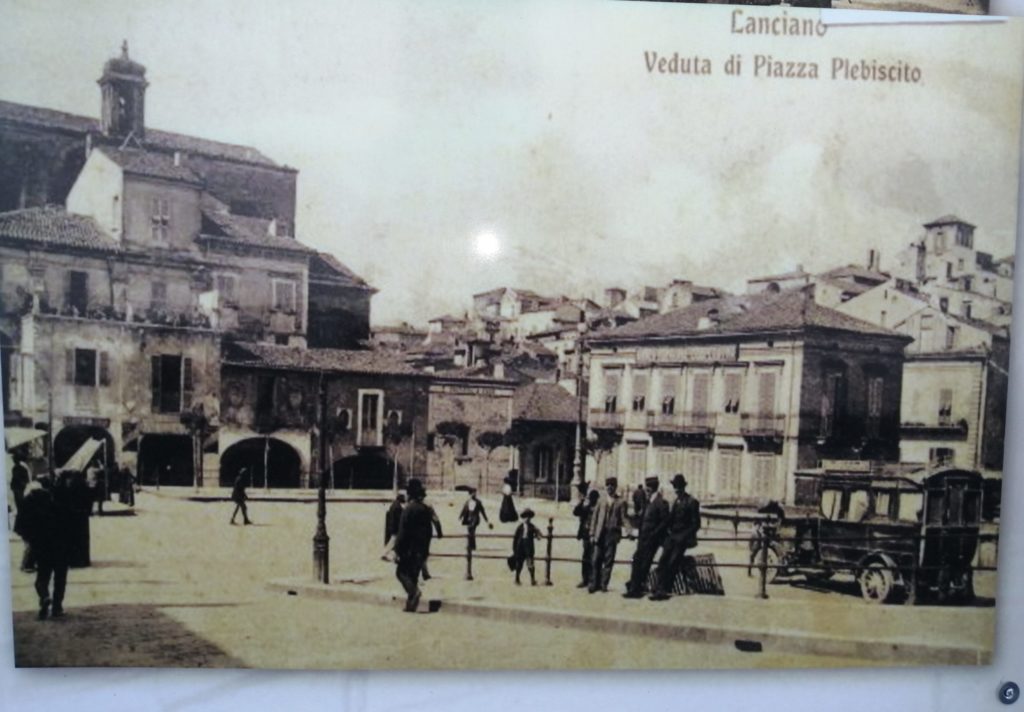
[(948, 220)]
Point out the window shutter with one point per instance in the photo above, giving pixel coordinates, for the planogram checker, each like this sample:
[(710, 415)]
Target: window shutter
[(700, 393), (766, 394), (186, 383), (69, 365), (104, 368), (155, 382)]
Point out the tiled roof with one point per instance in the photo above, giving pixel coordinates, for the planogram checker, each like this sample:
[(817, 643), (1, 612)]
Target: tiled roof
[(855, 272), (947, 220), (854, 288), (48, 118), (252, 231), (795, 274), (791, 310), (379, 363), (150, 164), (55, 226), (547, 402), (327, 265)]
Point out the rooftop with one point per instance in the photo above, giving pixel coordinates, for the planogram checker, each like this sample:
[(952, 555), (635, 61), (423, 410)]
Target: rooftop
[(948, 220), (379, 363), (150, 164), (546, 402), (249, 230), (165, 140), (53, 225), (326, 265), (791, 310)]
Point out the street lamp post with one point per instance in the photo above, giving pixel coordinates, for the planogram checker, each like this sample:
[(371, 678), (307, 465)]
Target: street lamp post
[(577, 463), (322, 542)]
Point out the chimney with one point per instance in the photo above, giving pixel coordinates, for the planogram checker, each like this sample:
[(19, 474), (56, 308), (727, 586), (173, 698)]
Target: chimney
[(177, 158), (499, 369), (874, 260)]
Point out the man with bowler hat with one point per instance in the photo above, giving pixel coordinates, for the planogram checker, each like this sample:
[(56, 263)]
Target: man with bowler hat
[(651, 535), (605, 534), (583, 511), (412, 544), (683, 523)]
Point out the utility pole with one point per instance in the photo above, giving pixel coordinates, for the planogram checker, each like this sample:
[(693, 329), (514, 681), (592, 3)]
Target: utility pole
[(577, 464), (322, 542)]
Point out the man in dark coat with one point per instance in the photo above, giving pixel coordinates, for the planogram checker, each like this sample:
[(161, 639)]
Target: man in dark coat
[(412, 544), (583, 511), (19, 481), (683, 524), (45, 523), (523, 549), (605, 533), (651, 535), (392, 518), (640, 498), (472, 512), (238, 496)]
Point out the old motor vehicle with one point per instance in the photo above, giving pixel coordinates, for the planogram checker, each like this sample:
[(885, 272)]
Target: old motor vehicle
[(912, 534)]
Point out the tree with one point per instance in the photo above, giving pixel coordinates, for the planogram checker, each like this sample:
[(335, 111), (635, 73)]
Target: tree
[(490, 440), (601, 443)]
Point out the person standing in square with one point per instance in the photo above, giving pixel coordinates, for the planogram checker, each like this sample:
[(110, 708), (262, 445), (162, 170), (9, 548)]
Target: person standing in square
[(605, 534)]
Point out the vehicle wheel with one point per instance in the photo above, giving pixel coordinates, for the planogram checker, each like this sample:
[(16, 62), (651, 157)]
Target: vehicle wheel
[(773, 560), (876, 583)]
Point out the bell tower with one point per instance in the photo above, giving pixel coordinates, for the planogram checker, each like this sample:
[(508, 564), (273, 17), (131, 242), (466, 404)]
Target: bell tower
[(123, 86)]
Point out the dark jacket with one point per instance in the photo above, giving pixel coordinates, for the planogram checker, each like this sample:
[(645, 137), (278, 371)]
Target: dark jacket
[(683, 522), (19, 478), (582, 511), (392, 520), (522, 541), (238, 491), (639, 501), (654, 524), (44, 521), (471, 518), (415, 529)]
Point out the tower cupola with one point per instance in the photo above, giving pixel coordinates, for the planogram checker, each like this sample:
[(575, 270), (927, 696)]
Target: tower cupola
[(123, 86)]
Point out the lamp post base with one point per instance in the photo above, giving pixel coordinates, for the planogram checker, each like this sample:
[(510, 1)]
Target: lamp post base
[(321, 557)]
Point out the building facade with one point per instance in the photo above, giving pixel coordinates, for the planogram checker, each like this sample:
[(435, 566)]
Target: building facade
[(738, 393)]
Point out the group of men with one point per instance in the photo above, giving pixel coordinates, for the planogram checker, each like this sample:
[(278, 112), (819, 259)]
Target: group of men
[(671, 528)]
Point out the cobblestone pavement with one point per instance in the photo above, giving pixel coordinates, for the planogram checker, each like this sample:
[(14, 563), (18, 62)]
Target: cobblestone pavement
[(177, 585)]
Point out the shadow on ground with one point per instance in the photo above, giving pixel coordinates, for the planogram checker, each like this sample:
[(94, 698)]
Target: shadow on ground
[(130, 635), (851, 588)]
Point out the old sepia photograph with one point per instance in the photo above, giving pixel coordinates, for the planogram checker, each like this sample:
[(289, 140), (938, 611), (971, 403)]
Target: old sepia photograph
[(481, 336)]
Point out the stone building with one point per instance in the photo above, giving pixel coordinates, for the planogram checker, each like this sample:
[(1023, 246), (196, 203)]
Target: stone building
[(740, 392), (115, 307)]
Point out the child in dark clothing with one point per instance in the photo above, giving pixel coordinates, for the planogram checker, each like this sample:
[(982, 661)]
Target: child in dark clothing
[(522, 546)]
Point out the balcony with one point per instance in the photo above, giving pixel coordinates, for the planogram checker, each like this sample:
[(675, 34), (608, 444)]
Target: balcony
[(282, 322), (942, 430), (600, 420), (762, 426)]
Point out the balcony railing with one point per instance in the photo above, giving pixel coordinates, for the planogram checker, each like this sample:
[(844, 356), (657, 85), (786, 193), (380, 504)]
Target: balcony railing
[(686, 423), (942, 430), (761, 425), (600, 420)]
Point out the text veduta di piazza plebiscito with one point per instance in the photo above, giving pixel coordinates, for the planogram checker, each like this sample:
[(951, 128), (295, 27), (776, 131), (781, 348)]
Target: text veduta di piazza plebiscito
[(767, 66)]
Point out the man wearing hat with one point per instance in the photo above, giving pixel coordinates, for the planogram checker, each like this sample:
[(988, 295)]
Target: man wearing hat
[(522, 546), (605, 533), (472, 513), (584, 511), (412, 543), (683, 523), (651, 535)]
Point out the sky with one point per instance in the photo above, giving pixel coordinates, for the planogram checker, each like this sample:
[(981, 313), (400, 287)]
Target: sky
[(447, 148)]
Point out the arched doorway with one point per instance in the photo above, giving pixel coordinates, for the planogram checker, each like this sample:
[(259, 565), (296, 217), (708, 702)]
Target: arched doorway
[(366, 470), (70, 439), (166, 460), (281, 460)]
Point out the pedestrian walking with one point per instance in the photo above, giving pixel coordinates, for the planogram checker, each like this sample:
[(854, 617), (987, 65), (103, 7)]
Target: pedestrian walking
[(412, 544), (507, 512), (45, 523), (19, 482), (522, 547), (239, 497), (653, 525), (683, 523), (127, 486), (391, 520), (472, 513), (605, 534), (583, 511)]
